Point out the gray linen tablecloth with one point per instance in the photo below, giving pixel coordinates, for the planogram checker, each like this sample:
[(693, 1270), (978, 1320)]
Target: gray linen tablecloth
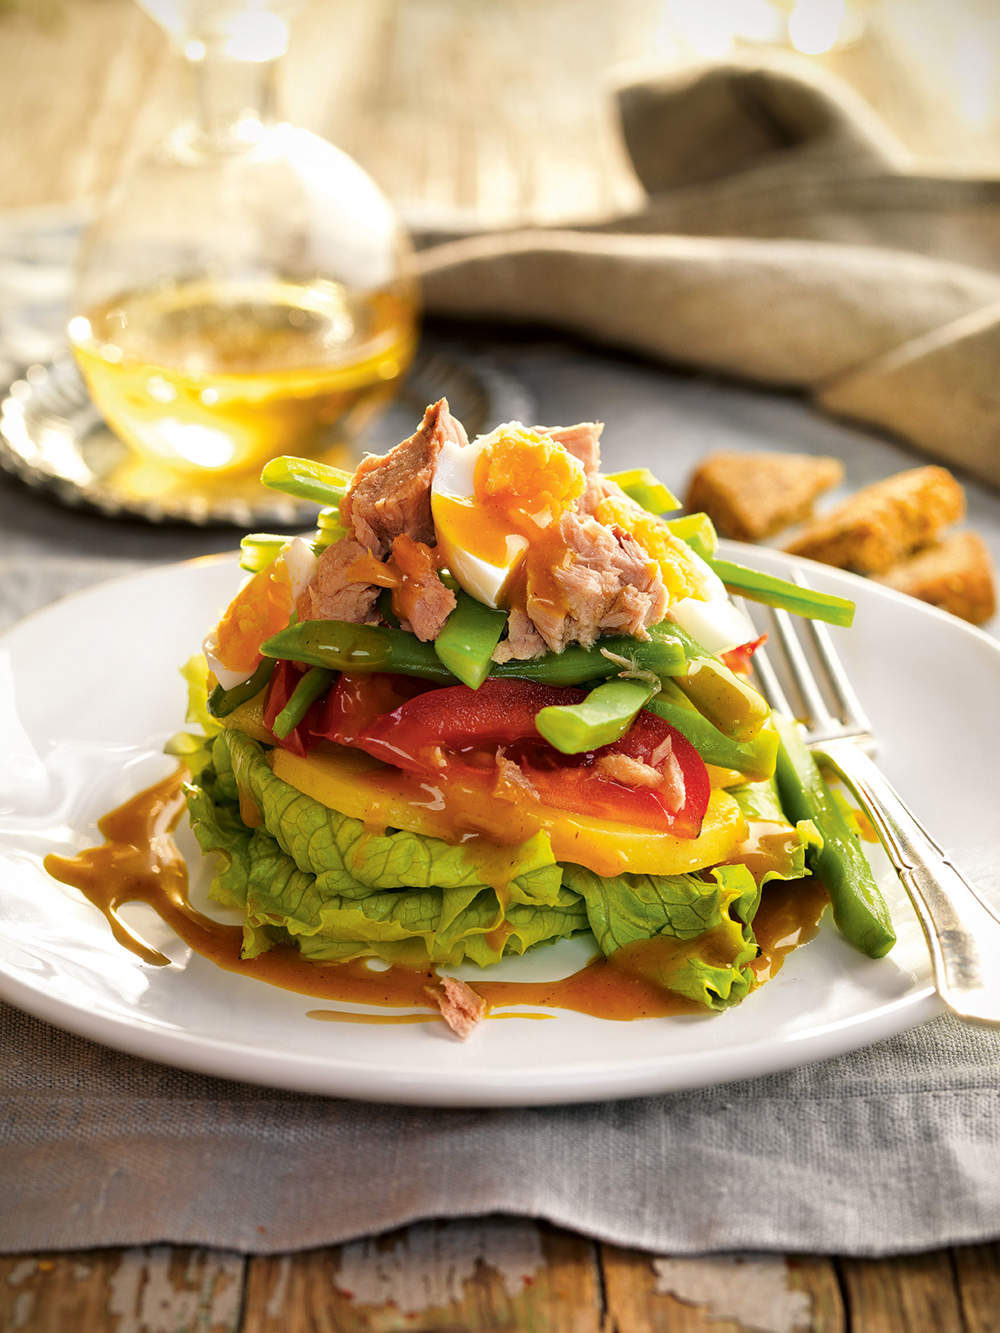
[(783, 242), (892, 1149)]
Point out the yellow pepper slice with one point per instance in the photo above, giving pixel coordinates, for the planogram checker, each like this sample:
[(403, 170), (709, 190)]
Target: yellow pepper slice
[(355, 785)]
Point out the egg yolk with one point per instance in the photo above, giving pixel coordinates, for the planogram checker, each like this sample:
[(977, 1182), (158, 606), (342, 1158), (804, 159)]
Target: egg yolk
[(521, 484), (261, 608), (465, 524), (527, 479)]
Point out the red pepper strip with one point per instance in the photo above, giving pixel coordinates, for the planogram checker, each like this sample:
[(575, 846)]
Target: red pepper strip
[(500, 712), (642, 740), (738, 659), (356, 701), (448, 729)]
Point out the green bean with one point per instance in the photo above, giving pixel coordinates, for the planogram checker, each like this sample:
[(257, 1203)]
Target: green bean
[(573, 666), (640, 485), (223, 702), (328, 520), (470, 634), (698, 531), (259, 549), (306, 479), (664, 656), (383, 605), (773, 591), (600, 719), (342, 646), (754, 758), (729, 703), (315, 682), (859, 909)]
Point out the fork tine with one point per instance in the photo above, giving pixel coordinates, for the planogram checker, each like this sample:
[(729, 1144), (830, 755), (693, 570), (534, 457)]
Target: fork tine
[(820, 718), (854, 714), (849, 718), (769, 682)]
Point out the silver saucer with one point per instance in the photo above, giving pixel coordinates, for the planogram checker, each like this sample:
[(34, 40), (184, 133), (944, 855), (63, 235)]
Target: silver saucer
[(53, 438)]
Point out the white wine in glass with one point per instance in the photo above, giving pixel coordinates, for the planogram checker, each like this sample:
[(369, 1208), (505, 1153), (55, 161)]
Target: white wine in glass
[(247, 291)]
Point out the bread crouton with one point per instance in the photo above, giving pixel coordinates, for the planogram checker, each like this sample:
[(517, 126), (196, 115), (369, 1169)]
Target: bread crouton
[(750, 496), (955, 574), (885, 522)]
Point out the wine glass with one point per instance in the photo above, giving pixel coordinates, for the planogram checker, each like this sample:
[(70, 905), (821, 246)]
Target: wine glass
[(247, 291)]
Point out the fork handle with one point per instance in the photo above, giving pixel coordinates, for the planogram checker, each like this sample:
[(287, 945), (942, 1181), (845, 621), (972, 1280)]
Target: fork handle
[(963, 934)]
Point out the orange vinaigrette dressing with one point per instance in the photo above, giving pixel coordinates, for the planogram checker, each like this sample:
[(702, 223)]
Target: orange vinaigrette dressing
[(139, 862)]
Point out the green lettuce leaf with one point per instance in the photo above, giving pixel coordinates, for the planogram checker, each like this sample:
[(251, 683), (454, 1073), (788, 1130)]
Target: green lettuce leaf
[(193, 747), (704, 928), (349, 860), (317, 878), (790, 854)]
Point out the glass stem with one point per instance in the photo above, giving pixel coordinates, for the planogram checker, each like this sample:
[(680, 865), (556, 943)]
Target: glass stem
[(235, 100)]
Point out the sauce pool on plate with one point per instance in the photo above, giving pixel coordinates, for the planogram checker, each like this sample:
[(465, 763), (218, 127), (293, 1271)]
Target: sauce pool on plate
[(139, 862)]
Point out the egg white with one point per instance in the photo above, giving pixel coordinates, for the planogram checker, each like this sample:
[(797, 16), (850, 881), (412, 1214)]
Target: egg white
[(711, 618), (300, 562), (454, 479)]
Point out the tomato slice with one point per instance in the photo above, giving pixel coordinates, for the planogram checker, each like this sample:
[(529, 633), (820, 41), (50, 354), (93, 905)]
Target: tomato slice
[(459, 731), (355, 702)]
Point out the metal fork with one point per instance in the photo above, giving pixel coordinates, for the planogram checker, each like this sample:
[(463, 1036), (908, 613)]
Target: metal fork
[(963, 933)]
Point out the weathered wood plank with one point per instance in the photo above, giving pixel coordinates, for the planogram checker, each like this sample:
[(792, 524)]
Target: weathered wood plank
[(149, 1289), (910, 1291), (490, 1275), (977, 1275), (719, 1294), (473, 1275)]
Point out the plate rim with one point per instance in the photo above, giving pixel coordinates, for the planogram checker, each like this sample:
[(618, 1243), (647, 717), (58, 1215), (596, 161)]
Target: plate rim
[(338, 1077)]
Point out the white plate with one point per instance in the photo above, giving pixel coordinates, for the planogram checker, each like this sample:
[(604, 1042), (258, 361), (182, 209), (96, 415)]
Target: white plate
[(92, 692)]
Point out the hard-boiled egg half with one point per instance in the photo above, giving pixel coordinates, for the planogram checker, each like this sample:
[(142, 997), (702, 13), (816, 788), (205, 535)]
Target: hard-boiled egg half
[(491, 498), (262, 607)]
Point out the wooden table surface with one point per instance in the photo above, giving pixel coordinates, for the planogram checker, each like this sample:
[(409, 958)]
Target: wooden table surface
[(508, 123)]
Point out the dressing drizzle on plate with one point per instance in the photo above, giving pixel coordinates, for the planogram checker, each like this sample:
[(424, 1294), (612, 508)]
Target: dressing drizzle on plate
[(140, 862)]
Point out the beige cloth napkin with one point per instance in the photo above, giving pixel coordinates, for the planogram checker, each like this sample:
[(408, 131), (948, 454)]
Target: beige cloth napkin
[(784, 239)]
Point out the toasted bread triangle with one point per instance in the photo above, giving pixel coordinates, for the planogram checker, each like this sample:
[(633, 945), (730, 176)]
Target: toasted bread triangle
[(752, 495)]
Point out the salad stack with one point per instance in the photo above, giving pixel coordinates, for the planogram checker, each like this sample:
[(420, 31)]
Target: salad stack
[(494, 700)]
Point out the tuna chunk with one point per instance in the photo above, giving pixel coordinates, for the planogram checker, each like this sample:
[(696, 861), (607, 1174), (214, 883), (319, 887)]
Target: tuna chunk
[(605, 581), (420, 599), (522, 640), (462, 1008), (391, 493), (335, 592), (512, 783), (583, 441), (632, 772), (664, 775)]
